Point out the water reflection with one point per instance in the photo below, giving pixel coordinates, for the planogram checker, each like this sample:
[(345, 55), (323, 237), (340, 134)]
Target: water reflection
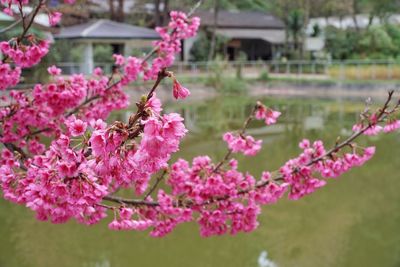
[(263, 260), (351, 222)]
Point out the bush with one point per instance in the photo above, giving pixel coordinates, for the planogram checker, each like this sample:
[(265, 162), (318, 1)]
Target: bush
[(376, 42), (339, 43), (103, 53), (201, 47), (264, 75)]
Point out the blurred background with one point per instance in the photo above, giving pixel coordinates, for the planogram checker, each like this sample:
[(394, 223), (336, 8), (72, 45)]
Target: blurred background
[(316, 61)]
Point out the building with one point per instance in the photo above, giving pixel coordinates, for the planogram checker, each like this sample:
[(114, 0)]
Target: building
[(121, 36), (261, 36)]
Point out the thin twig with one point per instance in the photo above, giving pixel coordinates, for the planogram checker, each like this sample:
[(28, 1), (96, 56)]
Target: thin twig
[(28, 26), (133, 202), (141, 106), (242, 131), (154, 187)]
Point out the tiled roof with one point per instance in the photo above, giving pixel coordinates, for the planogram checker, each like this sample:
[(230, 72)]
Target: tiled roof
[(241, 19), (106, 29)]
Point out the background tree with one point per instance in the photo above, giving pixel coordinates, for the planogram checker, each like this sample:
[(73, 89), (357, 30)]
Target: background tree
[(117, 10)]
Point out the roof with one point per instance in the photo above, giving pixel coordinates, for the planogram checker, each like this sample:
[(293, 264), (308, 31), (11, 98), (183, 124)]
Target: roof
[(241, 19), (274, 36), (106, 29)]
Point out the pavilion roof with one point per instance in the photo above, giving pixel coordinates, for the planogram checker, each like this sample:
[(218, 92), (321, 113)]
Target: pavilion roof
[(106, 29), (241, 19)]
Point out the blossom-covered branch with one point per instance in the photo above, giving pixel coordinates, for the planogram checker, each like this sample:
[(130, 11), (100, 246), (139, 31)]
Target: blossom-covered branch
[(89, 165)]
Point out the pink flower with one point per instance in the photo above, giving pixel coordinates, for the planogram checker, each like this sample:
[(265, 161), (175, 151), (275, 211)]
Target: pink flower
[(179, 91), (9, 76), (8, 11), (263, 113), (126, 213), (373, 130), (119, 59), (392, 126), (76, 127), (114, 225), (154, 104), (304, 144), (98, 124), (98, 71), (53, 70), (98, 142), (357, 127), (54, 18), (369, 152), (260, 112), (271, 117), (245, 144)]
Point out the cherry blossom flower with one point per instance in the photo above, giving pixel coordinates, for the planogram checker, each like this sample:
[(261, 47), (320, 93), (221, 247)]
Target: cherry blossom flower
[(179, 91)]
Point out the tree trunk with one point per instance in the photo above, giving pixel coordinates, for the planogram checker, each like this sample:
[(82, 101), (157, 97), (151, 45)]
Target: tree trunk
[(303, 29), (112, 9), (166, 12), (285, 17), (157, 14), (121, 14), (211, 52), (355, 11), (370, 20)]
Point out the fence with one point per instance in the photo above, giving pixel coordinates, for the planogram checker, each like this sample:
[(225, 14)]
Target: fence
[(340, 70)]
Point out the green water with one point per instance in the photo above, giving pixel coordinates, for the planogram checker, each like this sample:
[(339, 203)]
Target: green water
[(354, 221)]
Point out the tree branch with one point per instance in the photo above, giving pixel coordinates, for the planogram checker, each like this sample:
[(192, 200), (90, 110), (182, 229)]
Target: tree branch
[(154, 187), (34, 14), (279, 177), (242, 131)]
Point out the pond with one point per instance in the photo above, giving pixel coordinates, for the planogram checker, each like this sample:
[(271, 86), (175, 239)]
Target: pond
[(354, 221)]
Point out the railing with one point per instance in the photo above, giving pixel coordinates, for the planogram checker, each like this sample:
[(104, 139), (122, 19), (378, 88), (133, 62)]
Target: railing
[(69, 68), (339, 70)]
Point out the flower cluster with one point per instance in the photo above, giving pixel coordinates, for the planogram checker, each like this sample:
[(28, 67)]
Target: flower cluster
[(125, 221), (58, 185), (268, 115), (371, 123), (25, 56), (180, 27), (391, 126), (10, 77), (226, 200), (161, 138), (244, 144), (301, 172), (200, 184)]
